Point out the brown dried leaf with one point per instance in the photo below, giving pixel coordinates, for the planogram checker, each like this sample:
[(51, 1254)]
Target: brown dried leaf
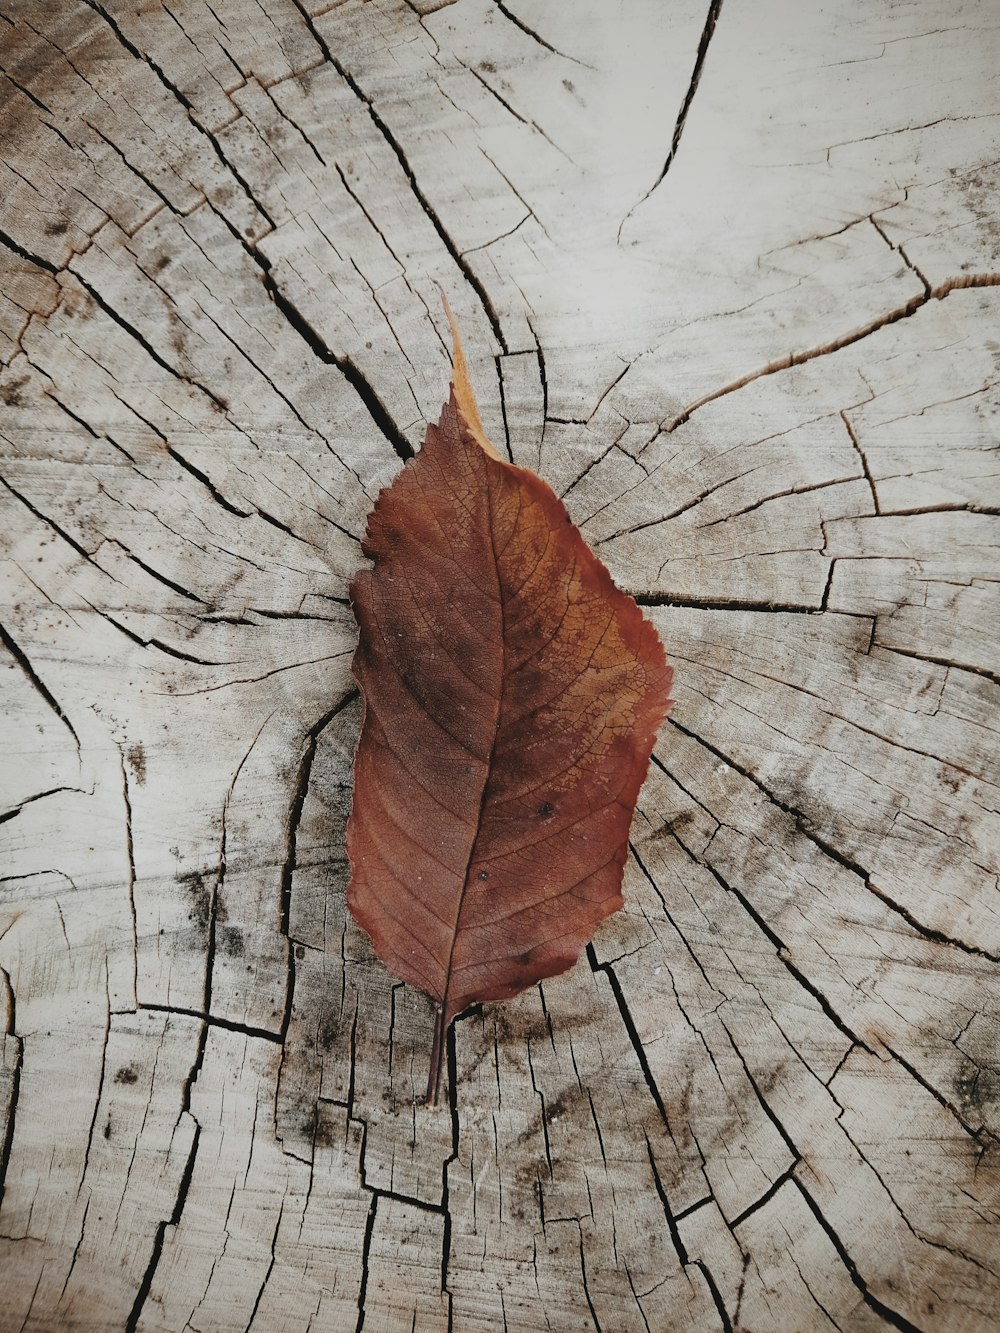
[(512, 696)]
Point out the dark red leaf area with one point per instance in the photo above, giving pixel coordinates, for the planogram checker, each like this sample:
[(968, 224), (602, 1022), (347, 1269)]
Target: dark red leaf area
[(511, 699)]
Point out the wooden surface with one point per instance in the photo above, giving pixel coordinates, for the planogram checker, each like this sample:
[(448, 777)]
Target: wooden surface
[(727, 279)]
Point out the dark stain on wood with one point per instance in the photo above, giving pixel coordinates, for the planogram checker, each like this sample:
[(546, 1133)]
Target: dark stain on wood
[(201, 897), (136, 757)]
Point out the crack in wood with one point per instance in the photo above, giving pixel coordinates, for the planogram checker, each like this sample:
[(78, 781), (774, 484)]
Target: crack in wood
[(535, 36), (24, 662), (377, 410), (432, 216), (727, 604), (633, 1035), (100, 1079), (807, 828), (60, 532), (886, 1312), (175, 92), (206, 1022), (917, 1235), (146, 1284), (211, 1020), (938, 660), (910, 307), (130, 848), (10, 1111), (711, 19)]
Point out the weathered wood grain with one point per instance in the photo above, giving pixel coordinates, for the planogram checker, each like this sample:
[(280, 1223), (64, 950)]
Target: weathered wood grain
[(727, 276)]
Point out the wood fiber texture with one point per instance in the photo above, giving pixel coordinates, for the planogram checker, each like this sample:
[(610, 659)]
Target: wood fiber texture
[(727, 276)]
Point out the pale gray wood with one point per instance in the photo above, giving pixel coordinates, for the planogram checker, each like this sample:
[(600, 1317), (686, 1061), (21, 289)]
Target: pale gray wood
[(727, 278)]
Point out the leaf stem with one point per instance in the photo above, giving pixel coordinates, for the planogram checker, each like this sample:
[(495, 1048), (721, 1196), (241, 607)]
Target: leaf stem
[(434, 1077)]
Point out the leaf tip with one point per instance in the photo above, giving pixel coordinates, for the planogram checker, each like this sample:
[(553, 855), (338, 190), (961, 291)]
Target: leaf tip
[(461, 387)]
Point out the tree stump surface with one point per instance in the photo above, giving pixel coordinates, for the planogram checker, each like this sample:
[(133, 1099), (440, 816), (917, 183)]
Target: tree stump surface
[(727, 280)]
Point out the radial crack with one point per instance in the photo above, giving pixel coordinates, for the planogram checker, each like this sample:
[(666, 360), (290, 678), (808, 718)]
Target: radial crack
[(699, 63), (408, 171), (537, 37), (780, 363), (23, 661)]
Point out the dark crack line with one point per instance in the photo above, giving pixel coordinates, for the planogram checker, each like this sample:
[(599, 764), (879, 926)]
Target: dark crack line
[(666, 910), (637, 1298), (85, 425), (81, 550), (130, 848), (20, 86), (243, 351), (682, 115), (350, 371), (401, 158), (451, 1062), (270, 1267), (914, 1073), (824, 604), (247, 680), (543, 1118), (799, 358), (8, 1138), (804, 825), (521, 199), (898, 249), (213, 1021), (676, 512), (993, 676), (498, 362), (76, 1250), (161, 578), (633, 1035), (147, 347), (780, 495), (953, 1251), (14, 811), (144, 58), (209, 485), (937, 293), (536, 37), (742, 678), (206, 1021), (782, 953), (887, 1313), (669, 1216), (729, 604), (595, 462), (101, 1076), (716, 1295), (377, 410), (158, 644), (145, 1286), (378, 231), (764, 1199), (856, 443), (298, 801), (134, 170), (19, 250), (366, 1249), (24, 663), (928, 932), (583, 1274), (288, 871)]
